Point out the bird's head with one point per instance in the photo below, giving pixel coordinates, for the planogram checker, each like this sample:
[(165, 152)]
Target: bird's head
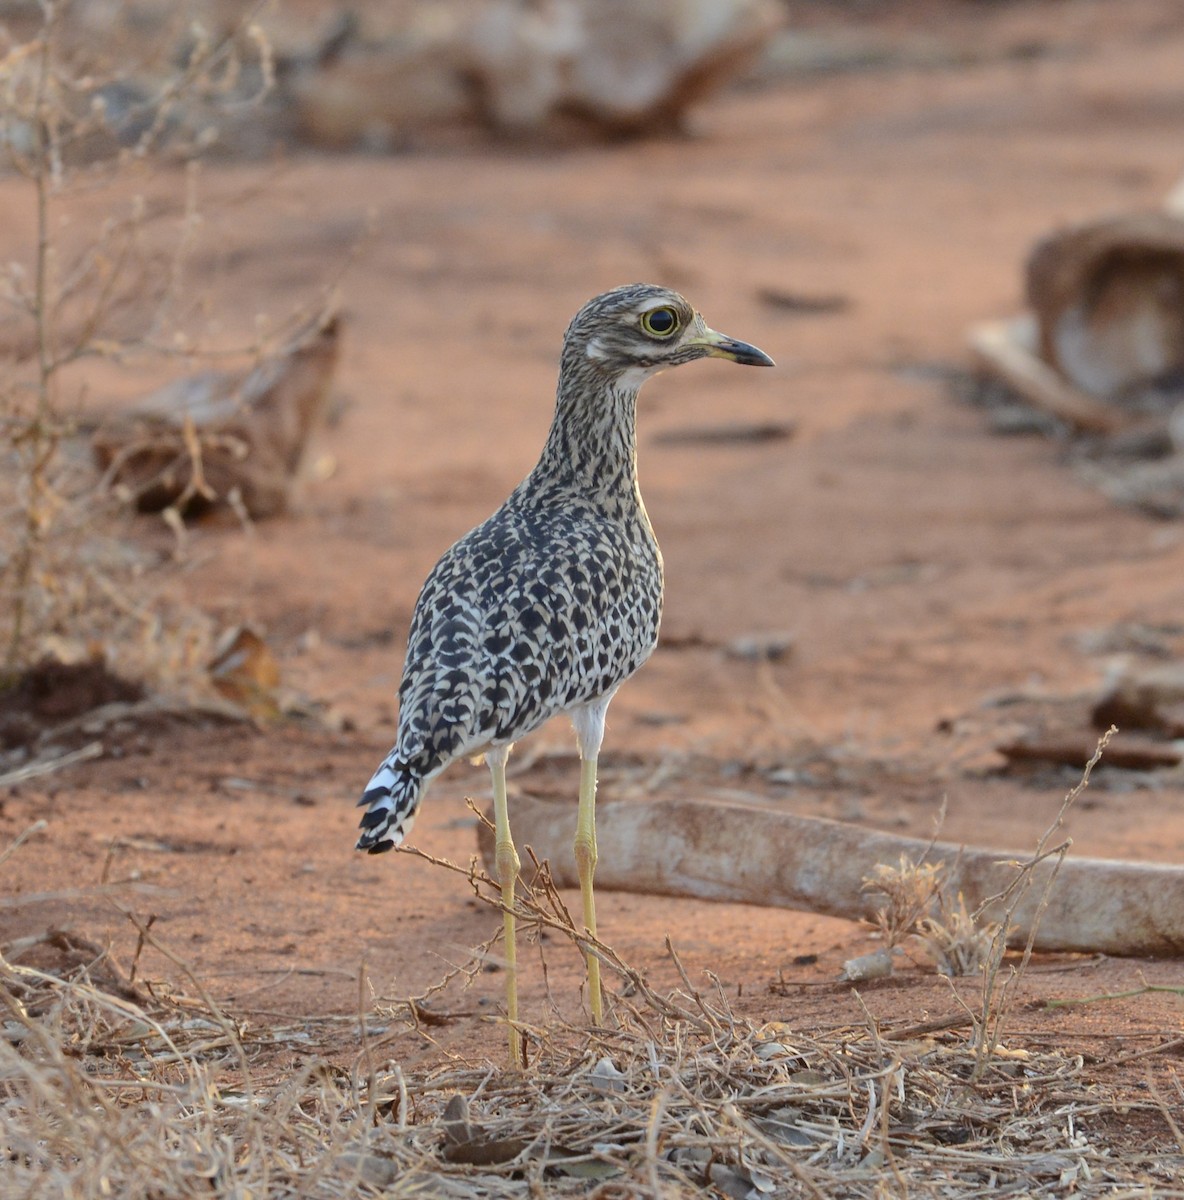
[(637, 330)]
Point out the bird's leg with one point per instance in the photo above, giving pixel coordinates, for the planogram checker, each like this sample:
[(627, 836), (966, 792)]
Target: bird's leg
[(588, 721), (508, 864), (585, 853)]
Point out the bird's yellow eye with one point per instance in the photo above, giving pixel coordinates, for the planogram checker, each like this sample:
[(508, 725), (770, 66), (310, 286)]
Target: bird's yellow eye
[(660, 322)]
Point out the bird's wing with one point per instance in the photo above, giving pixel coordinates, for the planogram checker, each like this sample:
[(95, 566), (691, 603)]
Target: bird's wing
[(513, 625)]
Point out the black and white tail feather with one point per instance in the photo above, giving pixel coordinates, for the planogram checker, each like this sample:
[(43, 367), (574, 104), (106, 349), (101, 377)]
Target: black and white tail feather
[(392, 796)]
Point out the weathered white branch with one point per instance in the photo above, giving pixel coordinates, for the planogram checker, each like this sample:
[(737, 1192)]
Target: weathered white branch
[(1005, 348), (723, 851)]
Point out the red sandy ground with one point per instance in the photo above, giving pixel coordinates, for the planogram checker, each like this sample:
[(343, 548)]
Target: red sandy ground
[(922, 565)]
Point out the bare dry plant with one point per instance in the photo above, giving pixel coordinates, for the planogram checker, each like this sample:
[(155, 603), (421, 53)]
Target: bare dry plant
[(961, 942), (75, 115), (996, 994), (166, 1096)]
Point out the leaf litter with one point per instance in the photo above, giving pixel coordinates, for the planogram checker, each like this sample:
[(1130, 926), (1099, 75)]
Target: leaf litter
[(167, 1094)]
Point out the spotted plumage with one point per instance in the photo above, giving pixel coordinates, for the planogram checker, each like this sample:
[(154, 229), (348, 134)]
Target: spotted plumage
[(549, 604), (554, 601)]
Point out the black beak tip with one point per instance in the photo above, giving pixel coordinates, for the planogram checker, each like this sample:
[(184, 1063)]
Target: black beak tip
[(748, 355)]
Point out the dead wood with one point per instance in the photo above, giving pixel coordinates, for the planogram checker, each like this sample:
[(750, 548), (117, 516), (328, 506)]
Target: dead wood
[(205, 438), (1135, 754), (1108, 296), (623, 66), (730, 852), (576, 67), (1006, 349), (1144, 698), (1106, 322)]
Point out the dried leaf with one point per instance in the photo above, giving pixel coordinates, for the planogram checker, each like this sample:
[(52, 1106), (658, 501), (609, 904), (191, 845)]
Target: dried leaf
[(245, 671)]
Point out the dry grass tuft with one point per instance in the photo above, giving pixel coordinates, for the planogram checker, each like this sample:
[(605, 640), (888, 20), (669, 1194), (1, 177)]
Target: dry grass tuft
[(103, 1095), (908, 892), (111, 1086), (915, 908), (956, 942)]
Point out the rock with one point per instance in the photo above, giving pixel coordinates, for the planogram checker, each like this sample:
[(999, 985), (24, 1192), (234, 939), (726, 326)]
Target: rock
[(761, 647), (629, 66), (376, 1170), (876, 965), (606, 1077)]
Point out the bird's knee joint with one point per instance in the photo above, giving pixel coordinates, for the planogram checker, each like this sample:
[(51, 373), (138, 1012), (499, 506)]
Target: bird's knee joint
[(506, 857), (585, 852)]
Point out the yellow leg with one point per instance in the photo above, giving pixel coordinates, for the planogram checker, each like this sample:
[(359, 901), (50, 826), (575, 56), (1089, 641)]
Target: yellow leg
[(585, 852), (507, 874)]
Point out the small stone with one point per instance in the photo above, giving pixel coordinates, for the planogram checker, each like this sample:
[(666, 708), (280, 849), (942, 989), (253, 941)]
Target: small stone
[(877, 965), (369, 1168), (761, 647)]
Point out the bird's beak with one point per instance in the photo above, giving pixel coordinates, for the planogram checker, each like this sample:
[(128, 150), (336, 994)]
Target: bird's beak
[(719, 345)]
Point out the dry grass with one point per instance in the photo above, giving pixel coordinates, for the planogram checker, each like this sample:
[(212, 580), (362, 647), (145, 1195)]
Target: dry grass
[(150, 1097), (113, 1086), (914, 908)]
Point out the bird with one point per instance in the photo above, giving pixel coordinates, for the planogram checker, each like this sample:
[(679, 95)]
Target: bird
[(549, 605)]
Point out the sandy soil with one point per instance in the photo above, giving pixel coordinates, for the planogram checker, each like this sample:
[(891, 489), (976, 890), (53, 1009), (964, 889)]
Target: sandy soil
[(943, 587)]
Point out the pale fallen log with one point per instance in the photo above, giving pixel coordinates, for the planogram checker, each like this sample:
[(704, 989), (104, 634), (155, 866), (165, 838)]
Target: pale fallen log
[(724, 851), (610, 66), (1006, 349)]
